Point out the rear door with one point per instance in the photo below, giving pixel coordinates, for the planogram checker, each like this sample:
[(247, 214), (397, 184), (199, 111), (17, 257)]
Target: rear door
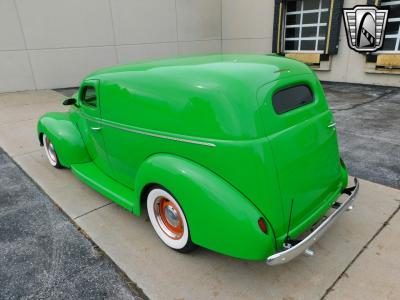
[(302, 135)]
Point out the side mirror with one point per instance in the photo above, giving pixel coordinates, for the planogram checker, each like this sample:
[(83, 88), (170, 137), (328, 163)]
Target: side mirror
[(70, 101)]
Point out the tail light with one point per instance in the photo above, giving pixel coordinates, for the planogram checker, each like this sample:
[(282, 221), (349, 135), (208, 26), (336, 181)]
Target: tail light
[(262, 225)]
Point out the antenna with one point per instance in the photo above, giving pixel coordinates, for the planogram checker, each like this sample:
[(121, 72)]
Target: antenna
[(290, 219)]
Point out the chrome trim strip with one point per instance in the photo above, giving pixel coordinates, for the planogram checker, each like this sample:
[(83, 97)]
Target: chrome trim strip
[(289, 254), (147, 133)]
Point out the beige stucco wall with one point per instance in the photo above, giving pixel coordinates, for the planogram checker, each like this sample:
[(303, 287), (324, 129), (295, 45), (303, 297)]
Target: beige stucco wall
[(55, 43)]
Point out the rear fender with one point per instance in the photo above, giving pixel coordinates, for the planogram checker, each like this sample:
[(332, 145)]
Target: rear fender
[(220, 218), (65, 137), (344, 174)]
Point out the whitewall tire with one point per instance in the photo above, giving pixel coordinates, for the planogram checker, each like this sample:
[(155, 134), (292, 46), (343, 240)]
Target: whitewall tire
[(168, 220), (51, 152)]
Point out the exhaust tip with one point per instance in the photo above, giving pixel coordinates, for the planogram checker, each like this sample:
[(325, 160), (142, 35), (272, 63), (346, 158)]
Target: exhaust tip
[(309, 252)]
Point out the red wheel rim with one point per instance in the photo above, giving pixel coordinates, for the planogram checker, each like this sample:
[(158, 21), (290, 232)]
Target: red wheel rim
[(169, 218)]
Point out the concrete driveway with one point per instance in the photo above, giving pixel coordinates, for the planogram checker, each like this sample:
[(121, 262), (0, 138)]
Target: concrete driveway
[(357, 258)]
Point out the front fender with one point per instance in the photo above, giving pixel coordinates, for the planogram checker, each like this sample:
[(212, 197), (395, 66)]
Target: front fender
[(220, 218), (65, 137)]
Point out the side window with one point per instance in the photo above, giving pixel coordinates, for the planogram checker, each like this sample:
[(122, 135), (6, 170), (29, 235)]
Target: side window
[(291, 98), (89, 96)]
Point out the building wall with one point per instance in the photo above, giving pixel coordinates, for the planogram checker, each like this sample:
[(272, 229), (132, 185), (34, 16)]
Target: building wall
[(348, 65), (55, 43), (247, 26)]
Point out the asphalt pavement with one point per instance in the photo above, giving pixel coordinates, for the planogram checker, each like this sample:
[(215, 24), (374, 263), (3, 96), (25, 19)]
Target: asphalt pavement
[(42, 254), (368, 124)]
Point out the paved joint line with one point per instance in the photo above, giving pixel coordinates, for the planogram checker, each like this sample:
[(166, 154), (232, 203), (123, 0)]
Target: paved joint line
[(90, 211), (387, 93), (27, 153), (331, 288)]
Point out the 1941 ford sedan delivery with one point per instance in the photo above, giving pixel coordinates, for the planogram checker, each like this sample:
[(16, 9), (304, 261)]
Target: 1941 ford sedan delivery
[(235, 153)]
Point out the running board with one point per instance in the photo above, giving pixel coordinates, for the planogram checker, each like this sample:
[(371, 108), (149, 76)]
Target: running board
[(90, 174)]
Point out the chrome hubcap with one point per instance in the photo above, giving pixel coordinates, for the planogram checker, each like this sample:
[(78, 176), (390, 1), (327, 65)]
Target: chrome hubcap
[(168, 218), (50, 150), (172, 215)]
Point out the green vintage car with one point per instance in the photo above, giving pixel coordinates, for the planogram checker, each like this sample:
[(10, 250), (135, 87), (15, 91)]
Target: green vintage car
[(234, 153)]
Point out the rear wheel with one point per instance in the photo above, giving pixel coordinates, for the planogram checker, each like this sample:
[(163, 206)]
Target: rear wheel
[(168, 220), (51, 152)]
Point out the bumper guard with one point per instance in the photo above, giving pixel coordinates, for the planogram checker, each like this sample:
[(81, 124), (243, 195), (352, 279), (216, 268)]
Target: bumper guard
[(292, 250)]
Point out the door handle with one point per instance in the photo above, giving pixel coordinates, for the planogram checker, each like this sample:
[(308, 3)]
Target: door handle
[(95, 128), (332, 125)]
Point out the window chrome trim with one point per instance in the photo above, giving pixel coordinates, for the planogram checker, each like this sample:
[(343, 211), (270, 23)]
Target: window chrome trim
[(309, 38), (304, 51), (306, 25), (309, 11), (390, 3), (122, 127)]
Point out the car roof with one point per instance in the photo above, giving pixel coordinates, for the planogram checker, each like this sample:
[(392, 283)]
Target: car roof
[(185, 92), (250, 69)]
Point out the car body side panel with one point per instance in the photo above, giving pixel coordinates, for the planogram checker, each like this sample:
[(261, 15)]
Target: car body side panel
[(65, 137), (246, 165), (94, 177), (220, 218), (136, 116)]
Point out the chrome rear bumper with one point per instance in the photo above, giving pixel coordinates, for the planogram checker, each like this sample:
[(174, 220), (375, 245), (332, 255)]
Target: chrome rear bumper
[(300, 247)]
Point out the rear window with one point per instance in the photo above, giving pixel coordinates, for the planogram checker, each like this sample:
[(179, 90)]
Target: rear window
[(292, 98)]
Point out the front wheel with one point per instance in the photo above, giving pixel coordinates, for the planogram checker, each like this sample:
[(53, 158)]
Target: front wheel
[(168, 220), (51, 152)]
